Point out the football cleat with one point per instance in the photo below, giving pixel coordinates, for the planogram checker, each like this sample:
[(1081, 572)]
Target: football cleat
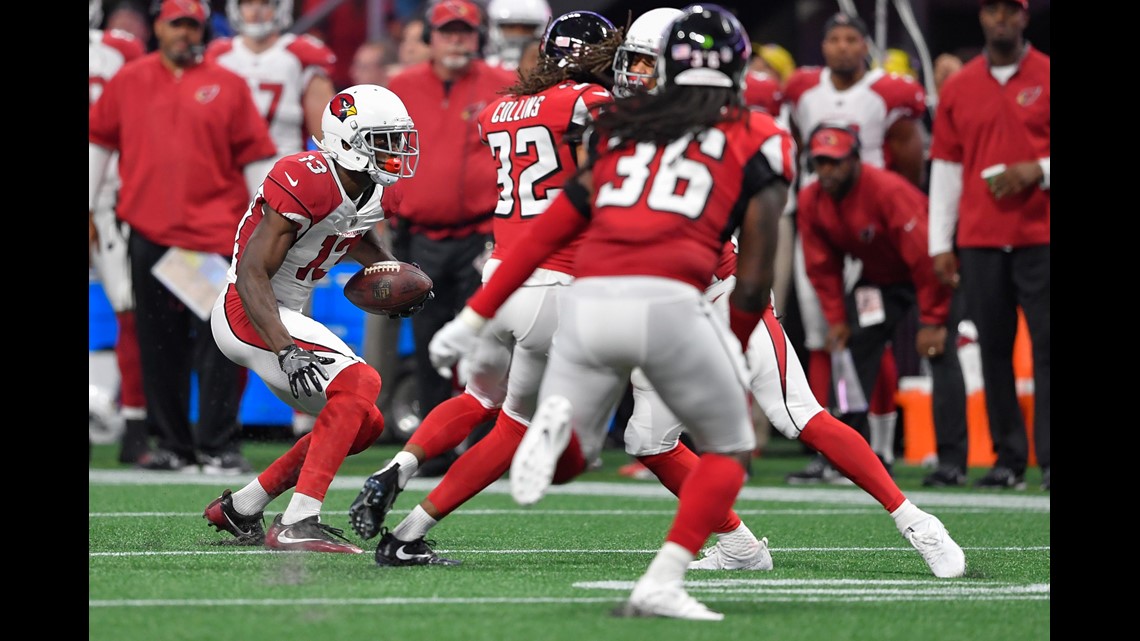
[(941, 553), (532, 468), (367, 512), (664, 600), (308, 535), (248, 530), (393, 551), (718, 558)]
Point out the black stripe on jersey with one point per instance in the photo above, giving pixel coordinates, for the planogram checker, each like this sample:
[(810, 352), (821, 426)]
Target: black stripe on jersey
[(578, 195), (757, 175)]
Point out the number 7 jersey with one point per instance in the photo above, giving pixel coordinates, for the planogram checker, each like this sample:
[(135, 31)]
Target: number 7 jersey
[(527, 136)]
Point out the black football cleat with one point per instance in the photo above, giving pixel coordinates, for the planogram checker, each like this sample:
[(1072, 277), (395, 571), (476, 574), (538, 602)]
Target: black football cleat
[(367, 512), (248, 530), (392, 551)]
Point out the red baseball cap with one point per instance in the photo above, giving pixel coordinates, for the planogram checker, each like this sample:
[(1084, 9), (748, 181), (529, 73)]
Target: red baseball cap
[(1023, 3), (832, 142), (447, 11), (175, 9)]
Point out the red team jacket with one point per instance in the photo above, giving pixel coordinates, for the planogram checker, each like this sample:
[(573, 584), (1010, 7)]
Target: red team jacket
[(183, 143), (671, 220), (881, 221), (526, 135), (454, 190), (980, 123)]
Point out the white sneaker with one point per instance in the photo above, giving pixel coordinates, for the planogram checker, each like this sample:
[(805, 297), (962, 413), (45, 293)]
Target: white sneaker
[(664, 600), (941, 553), (532, 467), (717, 558)]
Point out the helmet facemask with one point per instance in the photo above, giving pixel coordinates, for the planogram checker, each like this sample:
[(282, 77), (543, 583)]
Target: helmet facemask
[(627, 81), (386, 154)]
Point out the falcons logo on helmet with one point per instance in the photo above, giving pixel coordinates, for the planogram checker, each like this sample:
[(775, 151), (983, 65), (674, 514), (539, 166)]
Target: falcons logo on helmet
[(342, 106)]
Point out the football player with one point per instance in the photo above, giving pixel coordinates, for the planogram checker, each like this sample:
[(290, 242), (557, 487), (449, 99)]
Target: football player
[(108, 51), (530, 131), (512, 24), (289, 77), (648, 252), (310, 211)]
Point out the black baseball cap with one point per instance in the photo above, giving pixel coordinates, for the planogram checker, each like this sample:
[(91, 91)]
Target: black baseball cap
[(842, 19)]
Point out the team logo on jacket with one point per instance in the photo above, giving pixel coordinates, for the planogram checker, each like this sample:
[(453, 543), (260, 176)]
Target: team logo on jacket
[(342, 106), (1026, 97), (207, 93)]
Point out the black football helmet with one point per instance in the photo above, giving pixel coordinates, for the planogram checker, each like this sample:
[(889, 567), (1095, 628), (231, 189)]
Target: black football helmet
[(571, 32), (705, 47)]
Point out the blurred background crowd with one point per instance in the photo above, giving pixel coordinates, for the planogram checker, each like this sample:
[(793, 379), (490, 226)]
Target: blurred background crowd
[(376, 41)]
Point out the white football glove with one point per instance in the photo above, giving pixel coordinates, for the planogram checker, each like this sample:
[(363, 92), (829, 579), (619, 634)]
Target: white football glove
[(455, 339)]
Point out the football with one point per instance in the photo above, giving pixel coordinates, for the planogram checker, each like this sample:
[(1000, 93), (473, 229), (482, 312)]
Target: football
[(388, 287)]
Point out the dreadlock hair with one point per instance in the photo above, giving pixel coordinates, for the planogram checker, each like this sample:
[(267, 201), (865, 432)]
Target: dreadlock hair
[(671, 114), (592, 65)]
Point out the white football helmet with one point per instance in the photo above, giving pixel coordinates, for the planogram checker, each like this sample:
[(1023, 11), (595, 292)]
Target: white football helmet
[(644, 37), (282, 18), (365, 120), (96, 10), (508, 49)]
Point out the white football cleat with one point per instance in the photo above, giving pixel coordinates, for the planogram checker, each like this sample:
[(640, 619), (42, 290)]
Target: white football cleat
[(941, 553), (717, 558), (665, 600), (532, 468)]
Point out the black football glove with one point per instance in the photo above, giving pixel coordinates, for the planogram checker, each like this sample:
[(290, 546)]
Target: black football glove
[(413, 309), (302, 366)]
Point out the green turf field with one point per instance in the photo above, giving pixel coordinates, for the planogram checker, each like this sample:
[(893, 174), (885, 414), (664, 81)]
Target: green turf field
[(555, 570)]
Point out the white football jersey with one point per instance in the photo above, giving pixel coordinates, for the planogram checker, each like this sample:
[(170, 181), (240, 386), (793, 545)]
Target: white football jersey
[(872, 105), (277, 78), (107, 52), (304, 188)]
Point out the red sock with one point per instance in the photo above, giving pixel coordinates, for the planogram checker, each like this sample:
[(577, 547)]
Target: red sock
[(707, 495), (819, 375), (883, 396), (282, 474), (483, 464), (130, 368), (351, 401), (851, 454), (673, 467), (449, 423), (571, 464)]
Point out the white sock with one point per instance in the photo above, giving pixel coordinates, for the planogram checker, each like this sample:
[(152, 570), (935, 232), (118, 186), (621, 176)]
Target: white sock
[(907, 515), (408, 466), (882, 427), (414, 526), (740, 542), (669, 565), (301, 507), (251, 499)]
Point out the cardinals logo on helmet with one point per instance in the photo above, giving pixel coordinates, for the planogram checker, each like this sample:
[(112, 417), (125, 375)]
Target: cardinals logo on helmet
[(342, 106)]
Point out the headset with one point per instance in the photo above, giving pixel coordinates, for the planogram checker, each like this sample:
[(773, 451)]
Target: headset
[(482, 31), (849, 128)]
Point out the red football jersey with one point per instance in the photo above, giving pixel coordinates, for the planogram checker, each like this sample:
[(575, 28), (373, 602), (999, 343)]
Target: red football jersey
[(527, 137), (667, 211)]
